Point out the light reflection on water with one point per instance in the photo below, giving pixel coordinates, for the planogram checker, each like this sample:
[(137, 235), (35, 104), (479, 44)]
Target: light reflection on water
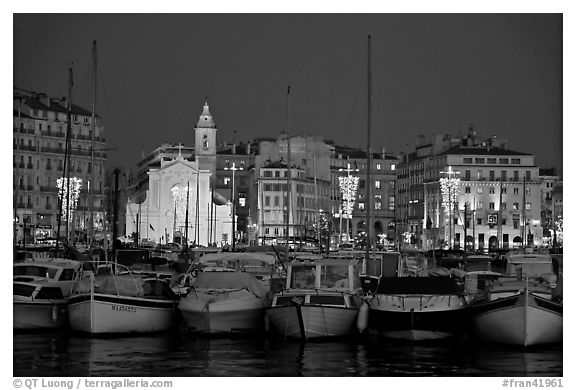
[(54, 354)]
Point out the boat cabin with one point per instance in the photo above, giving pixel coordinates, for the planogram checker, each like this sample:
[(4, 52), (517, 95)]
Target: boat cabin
[(323, 273)]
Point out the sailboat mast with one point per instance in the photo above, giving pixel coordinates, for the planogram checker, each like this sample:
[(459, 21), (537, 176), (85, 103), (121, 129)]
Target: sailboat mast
[(289, 179), (186, 218), (92, 168), (368, 160), (66, 168)]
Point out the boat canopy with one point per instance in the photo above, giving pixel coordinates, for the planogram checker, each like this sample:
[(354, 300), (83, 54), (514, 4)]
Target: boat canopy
[(243, 257), (435, 285), (229, 281)]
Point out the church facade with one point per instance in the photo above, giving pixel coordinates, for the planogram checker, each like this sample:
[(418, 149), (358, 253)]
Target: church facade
[(179, 202)]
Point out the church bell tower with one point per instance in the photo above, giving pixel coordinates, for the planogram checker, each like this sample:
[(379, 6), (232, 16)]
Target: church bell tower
[(205, 141)]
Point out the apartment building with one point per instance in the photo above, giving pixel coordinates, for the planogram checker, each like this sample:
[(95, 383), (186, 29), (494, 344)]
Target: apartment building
[(39, 144)]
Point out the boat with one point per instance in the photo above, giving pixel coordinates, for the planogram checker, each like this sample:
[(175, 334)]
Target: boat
[(228, 293), (40, 292), (520, 310), (479, 274), (417, 308), (322, 298), (115, 300)]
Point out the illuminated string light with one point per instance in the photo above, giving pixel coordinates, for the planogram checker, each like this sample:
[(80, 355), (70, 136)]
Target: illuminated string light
[(348, 188), (75, 186)]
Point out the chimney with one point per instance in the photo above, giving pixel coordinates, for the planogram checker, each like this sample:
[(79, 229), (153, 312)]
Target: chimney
[(420, 140)]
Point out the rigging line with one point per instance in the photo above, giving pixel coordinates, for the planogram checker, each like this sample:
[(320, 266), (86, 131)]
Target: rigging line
[(105, 109), (379, 96), (357, 102)]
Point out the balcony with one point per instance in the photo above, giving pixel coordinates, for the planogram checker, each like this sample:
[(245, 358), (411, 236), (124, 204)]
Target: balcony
[(31, 148), (48, 189)]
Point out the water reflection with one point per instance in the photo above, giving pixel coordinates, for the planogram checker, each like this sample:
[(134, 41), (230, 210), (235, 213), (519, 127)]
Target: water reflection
[(175, 355)]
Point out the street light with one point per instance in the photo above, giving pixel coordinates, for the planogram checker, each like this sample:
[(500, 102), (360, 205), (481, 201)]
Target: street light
[(348, 188), (449, 188), (233, 168)]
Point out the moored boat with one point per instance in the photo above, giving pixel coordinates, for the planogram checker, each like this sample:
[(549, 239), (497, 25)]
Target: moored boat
[(224, 302), (111, 302), (40, 292), (228, 293), (520, 310), (417, 308), (322, 299)]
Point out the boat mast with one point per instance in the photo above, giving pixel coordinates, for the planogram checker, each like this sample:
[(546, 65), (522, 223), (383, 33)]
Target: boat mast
[(289, 179), (368, 161), (186, 218), (66, 168), (92, 168)]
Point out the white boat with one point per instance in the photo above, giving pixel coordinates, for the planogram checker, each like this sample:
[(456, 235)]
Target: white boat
[(40, 292), (417, 308), (479, 274), (322, 299), (224, 302), (229, 294), (520, 310), (115, 300)]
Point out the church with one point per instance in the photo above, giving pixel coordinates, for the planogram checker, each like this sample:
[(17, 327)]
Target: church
[(180, 203)]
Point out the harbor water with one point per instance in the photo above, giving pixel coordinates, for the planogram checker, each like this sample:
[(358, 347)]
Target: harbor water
[(187, 355)]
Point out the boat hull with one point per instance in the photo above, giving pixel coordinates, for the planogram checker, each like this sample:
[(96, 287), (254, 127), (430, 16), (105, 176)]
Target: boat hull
[(218, 313), (417, 318), (312, 321), (521, 320), (40, 315), (108, 314)]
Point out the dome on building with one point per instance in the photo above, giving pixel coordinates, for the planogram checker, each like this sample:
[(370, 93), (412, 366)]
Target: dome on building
[(205, 120)]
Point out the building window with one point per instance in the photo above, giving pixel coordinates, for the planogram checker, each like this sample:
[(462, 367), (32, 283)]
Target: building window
[(276, 173), (467, 190), (515, 206), (392, 167), (491, 190), (467, 174), (516, 161), (480, 190), (516, 176), (227, 180), (360, 205), (478, 221), (467, 160), (491, 205), (377, 184), (492, 175), (528, 175), (503, 176), (276, 201), (266, 201), (480, 174), (503, 206), (527, 191), (528, 206), (491, 161), (378, 202), (480, 205), (516, 223), (391, 203), (479, 160), (516, 191), (503, 161), (378, 166)]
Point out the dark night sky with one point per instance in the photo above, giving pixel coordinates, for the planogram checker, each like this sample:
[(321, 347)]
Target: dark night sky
[(432, 73)]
